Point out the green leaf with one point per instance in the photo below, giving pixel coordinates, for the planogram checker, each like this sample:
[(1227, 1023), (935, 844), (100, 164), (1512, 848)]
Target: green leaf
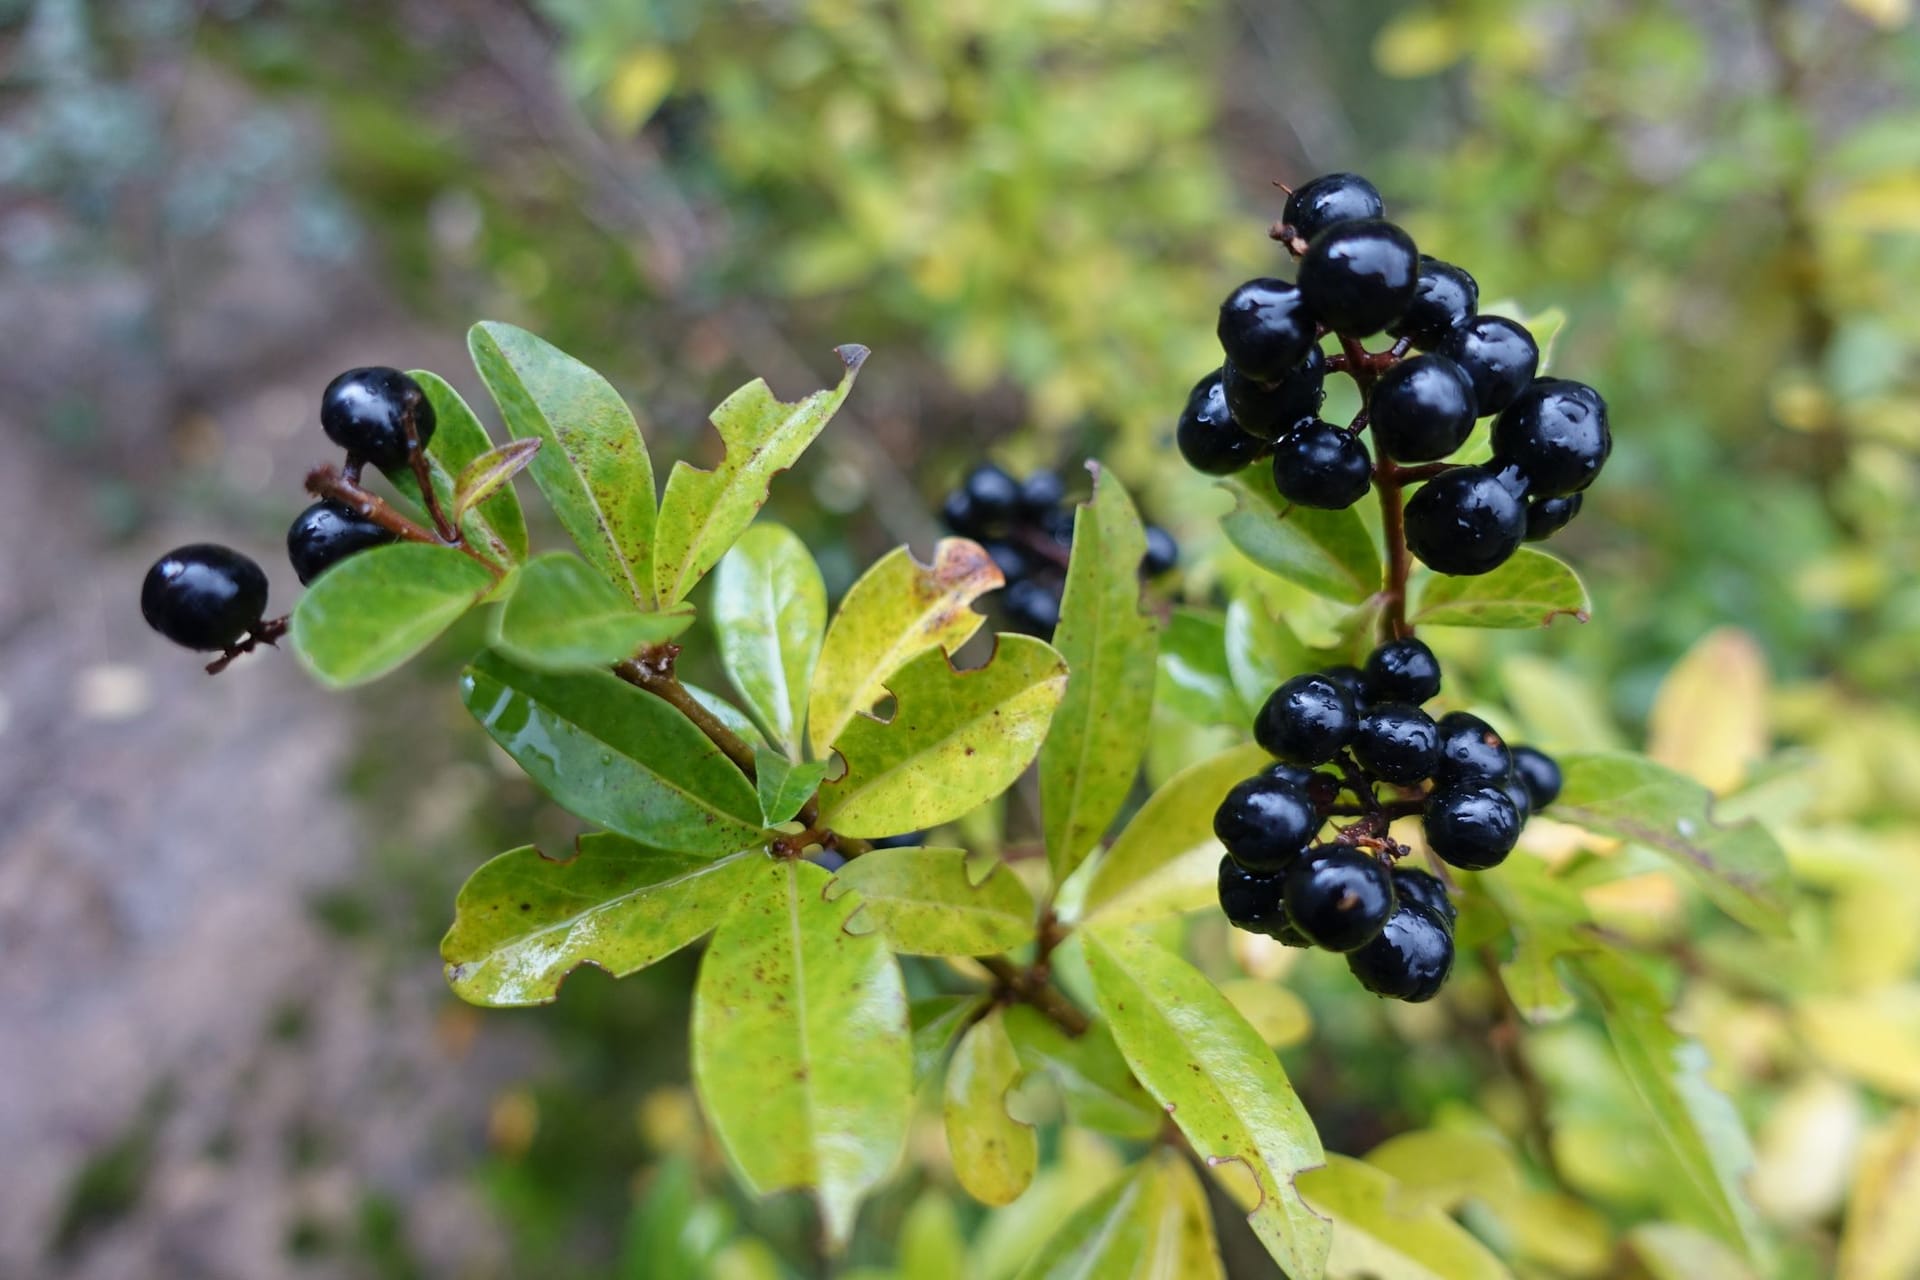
[(1328, 552), (1444, 1168), (936, 1021), (898, 609), (1195, 681), (1529, 590), (1094, 1081), (1548, 920), (994, 1155), (495, 525), (923, 903), (372, 611), (1669, 1072), (489, 474), (524, 921), (1740, 866), (1093, 751), (769, 612), (563, 616), (931, 1244), (1379, 1236), (1261, 650), (1219, 1082), (956, 738), (703, 512), (1153, 1224), (1166, 861), (593, 467), (614, 755), (784, 785), (800, 1045)]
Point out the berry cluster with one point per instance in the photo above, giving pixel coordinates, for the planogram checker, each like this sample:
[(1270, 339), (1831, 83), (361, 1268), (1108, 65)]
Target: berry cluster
[(1360, 274), (1355, 743), (213, 598), (1027, 527)]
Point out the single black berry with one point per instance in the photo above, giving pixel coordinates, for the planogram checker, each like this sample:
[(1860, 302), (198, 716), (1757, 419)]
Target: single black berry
[(1358, 277), (1265, 822), (1265, 329), (1555, 432), (1032, 607), (1335, 197), (1471, 753), (1319, 465), (1516, 791), (1306, 720), (1257, 903), (1209, 439), (1271, 409), (1548, 516), (1339, 897), (325, 534), (905, 840), (1041, 492), (1539, 773), (1402, 671), (995, 495), (203, 596), (1058, 525), (1162, 552), (958, 514), (1472, 827), (1464, 521), (1409, 960), (1411, 885), (1422, 409), (1013, 561), (1444, 298), (1397, 742), (367, 411), (1351, 679), (1498, 354)]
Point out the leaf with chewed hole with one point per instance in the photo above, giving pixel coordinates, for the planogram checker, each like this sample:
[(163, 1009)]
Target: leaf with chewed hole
[(994, 1155), (924, 902)]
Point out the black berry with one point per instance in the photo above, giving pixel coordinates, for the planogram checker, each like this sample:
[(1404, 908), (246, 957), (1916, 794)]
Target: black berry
[(1358, 277), (1411, 885), (1498, 354), (1516, 791), (1464, 521), (1265, 822), (1350, 679), (994, 494), (1041, 492), (1335, 197), (1539, 773), (1402, 671), (958, 514), (1396, 742), (325, 534), (1306, 720), (1319, 465), (1409, 960), (1031, 607), (1548, 516), (1012, 561), (1257, 903), (1265, 329), (1208, 437), (1162, 552), (905, 840), (1471, 753), (1444, 298), (367, 411), (1339, 898), (1472, 827), (1555, 432), (1271, 409), (1422, 409), (203, 596)]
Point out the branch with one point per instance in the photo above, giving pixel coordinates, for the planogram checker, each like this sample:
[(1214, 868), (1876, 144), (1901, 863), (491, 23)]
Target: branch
[(1029, 988)]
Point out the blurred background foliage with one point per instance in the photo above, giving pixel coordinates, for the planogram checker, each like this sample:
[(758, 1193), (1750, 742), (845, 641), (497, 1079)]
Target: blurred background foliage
[(1029, 209)]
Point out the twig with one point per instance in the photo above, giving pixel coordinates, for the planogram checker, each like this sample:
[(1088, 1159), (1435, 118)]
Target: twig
[(267, 631), (1505, 1040), (1041, 994)]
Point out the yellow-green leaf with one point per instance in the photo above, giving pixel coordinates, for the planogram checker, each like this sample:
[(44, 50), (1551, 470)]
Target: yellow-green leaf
[(564, 616), (492, 525), (1709, 720), (898, 609), (1095, 1083), (1376, 1236), (955, 739), (923, 902), (1218, 1081), (1328, 552), (703, 512), (783, 784), (372, 611), (524, 921), (1094, 748), (800, 1044), (490, 473), (593, 465), (1152, 1224), (769, 612), (994, 1155), (1530, 590), (1444, 1168), (1881, 1239)]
